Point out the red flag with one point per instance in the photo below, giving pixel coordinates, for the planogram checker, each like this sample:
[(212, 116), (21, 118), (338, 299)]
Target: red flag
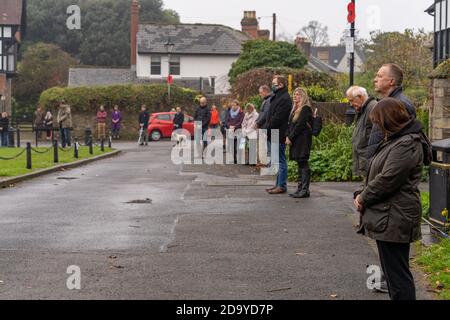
[(169, 79), (351, 12)]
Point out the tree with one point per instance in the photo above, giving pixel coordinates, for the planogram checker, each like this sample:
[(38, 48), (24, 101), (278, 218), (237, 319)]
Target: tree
[(265, 53), (316, 33), (104, 38), (42, 66), (410, 50)]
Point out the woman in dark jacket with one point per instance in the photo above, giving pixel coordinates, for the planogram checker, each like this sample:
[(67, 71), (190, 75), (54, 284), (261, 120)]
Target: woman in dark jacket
[(234, 123), (299, 138), (390, 201)]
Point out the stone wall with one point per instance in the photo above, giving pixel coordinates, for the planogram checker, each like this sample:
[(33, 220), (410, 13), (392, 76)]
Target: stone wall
[(440, 111)]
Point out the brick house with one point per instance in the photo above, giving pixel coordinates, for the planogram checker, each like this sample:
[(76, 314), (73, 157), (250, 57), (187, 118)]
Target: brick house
[(12, 30)]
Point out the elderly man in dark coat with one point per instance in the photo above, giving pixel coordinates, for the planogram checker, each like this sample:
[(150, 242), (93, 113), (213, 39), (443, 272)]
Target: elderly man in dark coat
[(363, 104)]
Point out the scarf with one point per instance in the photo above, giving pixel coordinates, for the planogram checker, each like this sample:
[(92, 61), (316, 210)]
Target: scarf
[(234, 114)]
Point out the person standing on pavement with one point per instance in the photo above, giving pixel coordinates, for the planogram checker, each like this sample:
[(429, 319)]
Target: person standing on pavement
[(178, 119), (261, 123), (388, 83), (277, 119), (299, 138), (116, 122), (101, 123), (48, 124), (249, 133), (363, 105), (215, 118), (224, 115), (4, 129), (39, 121), (144, 118), (390, 200), (64, 119), (203, 115), (234, 124)]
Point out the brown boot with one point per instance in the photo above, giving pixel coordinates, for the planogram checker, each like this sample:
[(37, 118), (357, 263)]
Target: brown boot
[(270, 189), (277, 190)]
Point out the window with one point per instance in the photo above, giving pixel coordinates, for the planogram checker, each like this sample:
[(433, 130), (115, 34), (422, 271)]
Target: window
[(164, 117), (448, 14), (155, 65), (175, 66), (7, 32)]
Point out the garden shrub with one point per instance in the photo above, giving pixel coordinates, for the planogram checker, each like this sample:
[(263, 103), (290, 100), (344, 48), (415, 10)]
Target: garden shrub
[(248, 83), (128, 97), (331, 157)]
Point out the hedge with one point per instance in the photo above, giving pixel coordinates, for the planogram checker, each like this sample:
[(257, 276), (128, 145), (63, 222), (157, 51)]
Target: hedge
[(127, 97), (248, 83), (442, 71)]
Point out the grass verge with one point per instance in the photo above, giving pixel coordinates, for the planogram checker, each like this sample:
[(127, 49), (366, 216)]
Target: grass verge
[(17, 167), (435, 262)]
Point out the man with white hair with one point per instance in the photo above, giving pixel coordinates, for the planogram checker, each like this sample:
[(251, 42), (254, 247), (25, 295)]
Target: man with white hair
[(363, 104)]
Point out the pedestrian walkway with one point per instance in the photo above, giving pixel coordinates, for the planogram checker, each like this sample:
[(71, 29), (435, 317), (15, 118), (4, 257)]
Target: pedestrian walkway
[(140, 227)]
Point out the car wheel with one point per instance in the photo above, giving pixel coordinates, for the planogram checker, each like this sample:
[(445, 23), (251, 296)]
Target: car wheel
[(155, 135)]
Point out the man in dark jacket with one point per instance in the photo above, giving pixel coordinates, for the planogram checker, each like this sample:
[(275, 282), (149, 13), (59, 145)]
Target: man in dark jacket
[(203, 115), (178, 120), (388, 83), (278, 119), (363, 104), (261, 123), (266, 94), (144, 118)]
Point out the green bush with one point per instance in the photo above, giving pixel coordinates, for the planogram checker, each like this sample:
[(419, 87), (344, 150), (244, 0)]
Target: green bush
[(331, 155), (425, 199), (321, 94), (128, 97), (248, 83), (442, 71), (256, 101)]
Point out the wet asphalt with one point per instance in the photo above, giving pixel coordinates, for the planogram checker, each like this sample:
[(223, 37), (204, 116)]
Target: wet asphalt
[(140, 227)]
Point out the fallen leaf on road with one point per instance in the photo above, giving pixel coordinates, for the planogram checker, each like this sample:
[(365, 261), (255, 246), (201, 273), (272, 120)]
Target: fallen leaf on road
[(112, 257), (301, 254), (439, 285), (117, 267), (334, 296), (12, 185)]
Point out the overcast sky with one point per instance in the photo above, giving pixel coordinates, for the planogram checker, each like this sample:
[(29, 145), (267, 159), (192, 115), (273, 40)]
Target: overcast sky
[(387, 15)]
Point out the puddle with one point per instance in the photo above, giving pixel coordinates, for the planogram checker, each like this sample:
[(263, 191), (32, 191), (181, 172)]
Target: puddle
[(144, 201)]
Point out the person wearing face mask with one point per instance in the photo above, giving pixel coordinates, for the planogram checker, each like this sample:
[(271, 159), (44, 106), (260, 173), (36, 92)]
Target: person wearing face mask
[(278, 119)]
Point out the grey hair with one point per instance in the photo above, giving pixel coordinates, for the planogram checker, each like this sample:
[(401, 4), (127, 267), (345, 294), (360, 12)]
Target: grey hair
[(357, 91)]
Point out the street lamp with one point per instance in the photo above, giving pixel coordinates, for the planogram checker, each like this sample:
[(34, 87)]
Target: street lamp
[(169, 49)]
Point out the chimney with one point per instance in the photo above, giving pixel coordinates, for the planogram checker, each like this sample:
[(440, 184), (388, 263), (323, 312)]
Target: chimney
[(303, 45), (134, 31), (250, 24)]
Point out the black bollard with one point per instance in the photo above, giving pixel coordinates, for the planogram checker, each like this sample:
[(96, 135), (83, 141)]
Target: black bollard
[(102, 145), (28, 155), (18, 137), (75, 149), (55, 151), (91, 148)]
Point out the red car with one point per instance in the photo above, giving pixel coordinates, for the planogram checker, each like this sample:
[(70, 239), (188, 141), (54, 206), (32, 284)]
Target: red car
[(161, 125)]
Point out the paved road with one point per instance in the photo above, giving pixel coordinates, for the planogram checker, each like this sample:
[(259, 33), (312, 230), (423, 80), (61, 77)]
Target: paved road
[(206, 233)]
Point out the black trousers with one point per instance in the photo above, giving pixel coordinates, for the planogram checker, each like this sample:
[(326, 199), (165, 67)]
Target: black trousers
[(394, 258)]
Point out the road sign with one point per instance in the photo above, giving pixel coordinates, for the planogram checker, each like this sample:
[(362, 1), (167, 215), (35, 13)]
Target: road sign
[(350, 45)]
